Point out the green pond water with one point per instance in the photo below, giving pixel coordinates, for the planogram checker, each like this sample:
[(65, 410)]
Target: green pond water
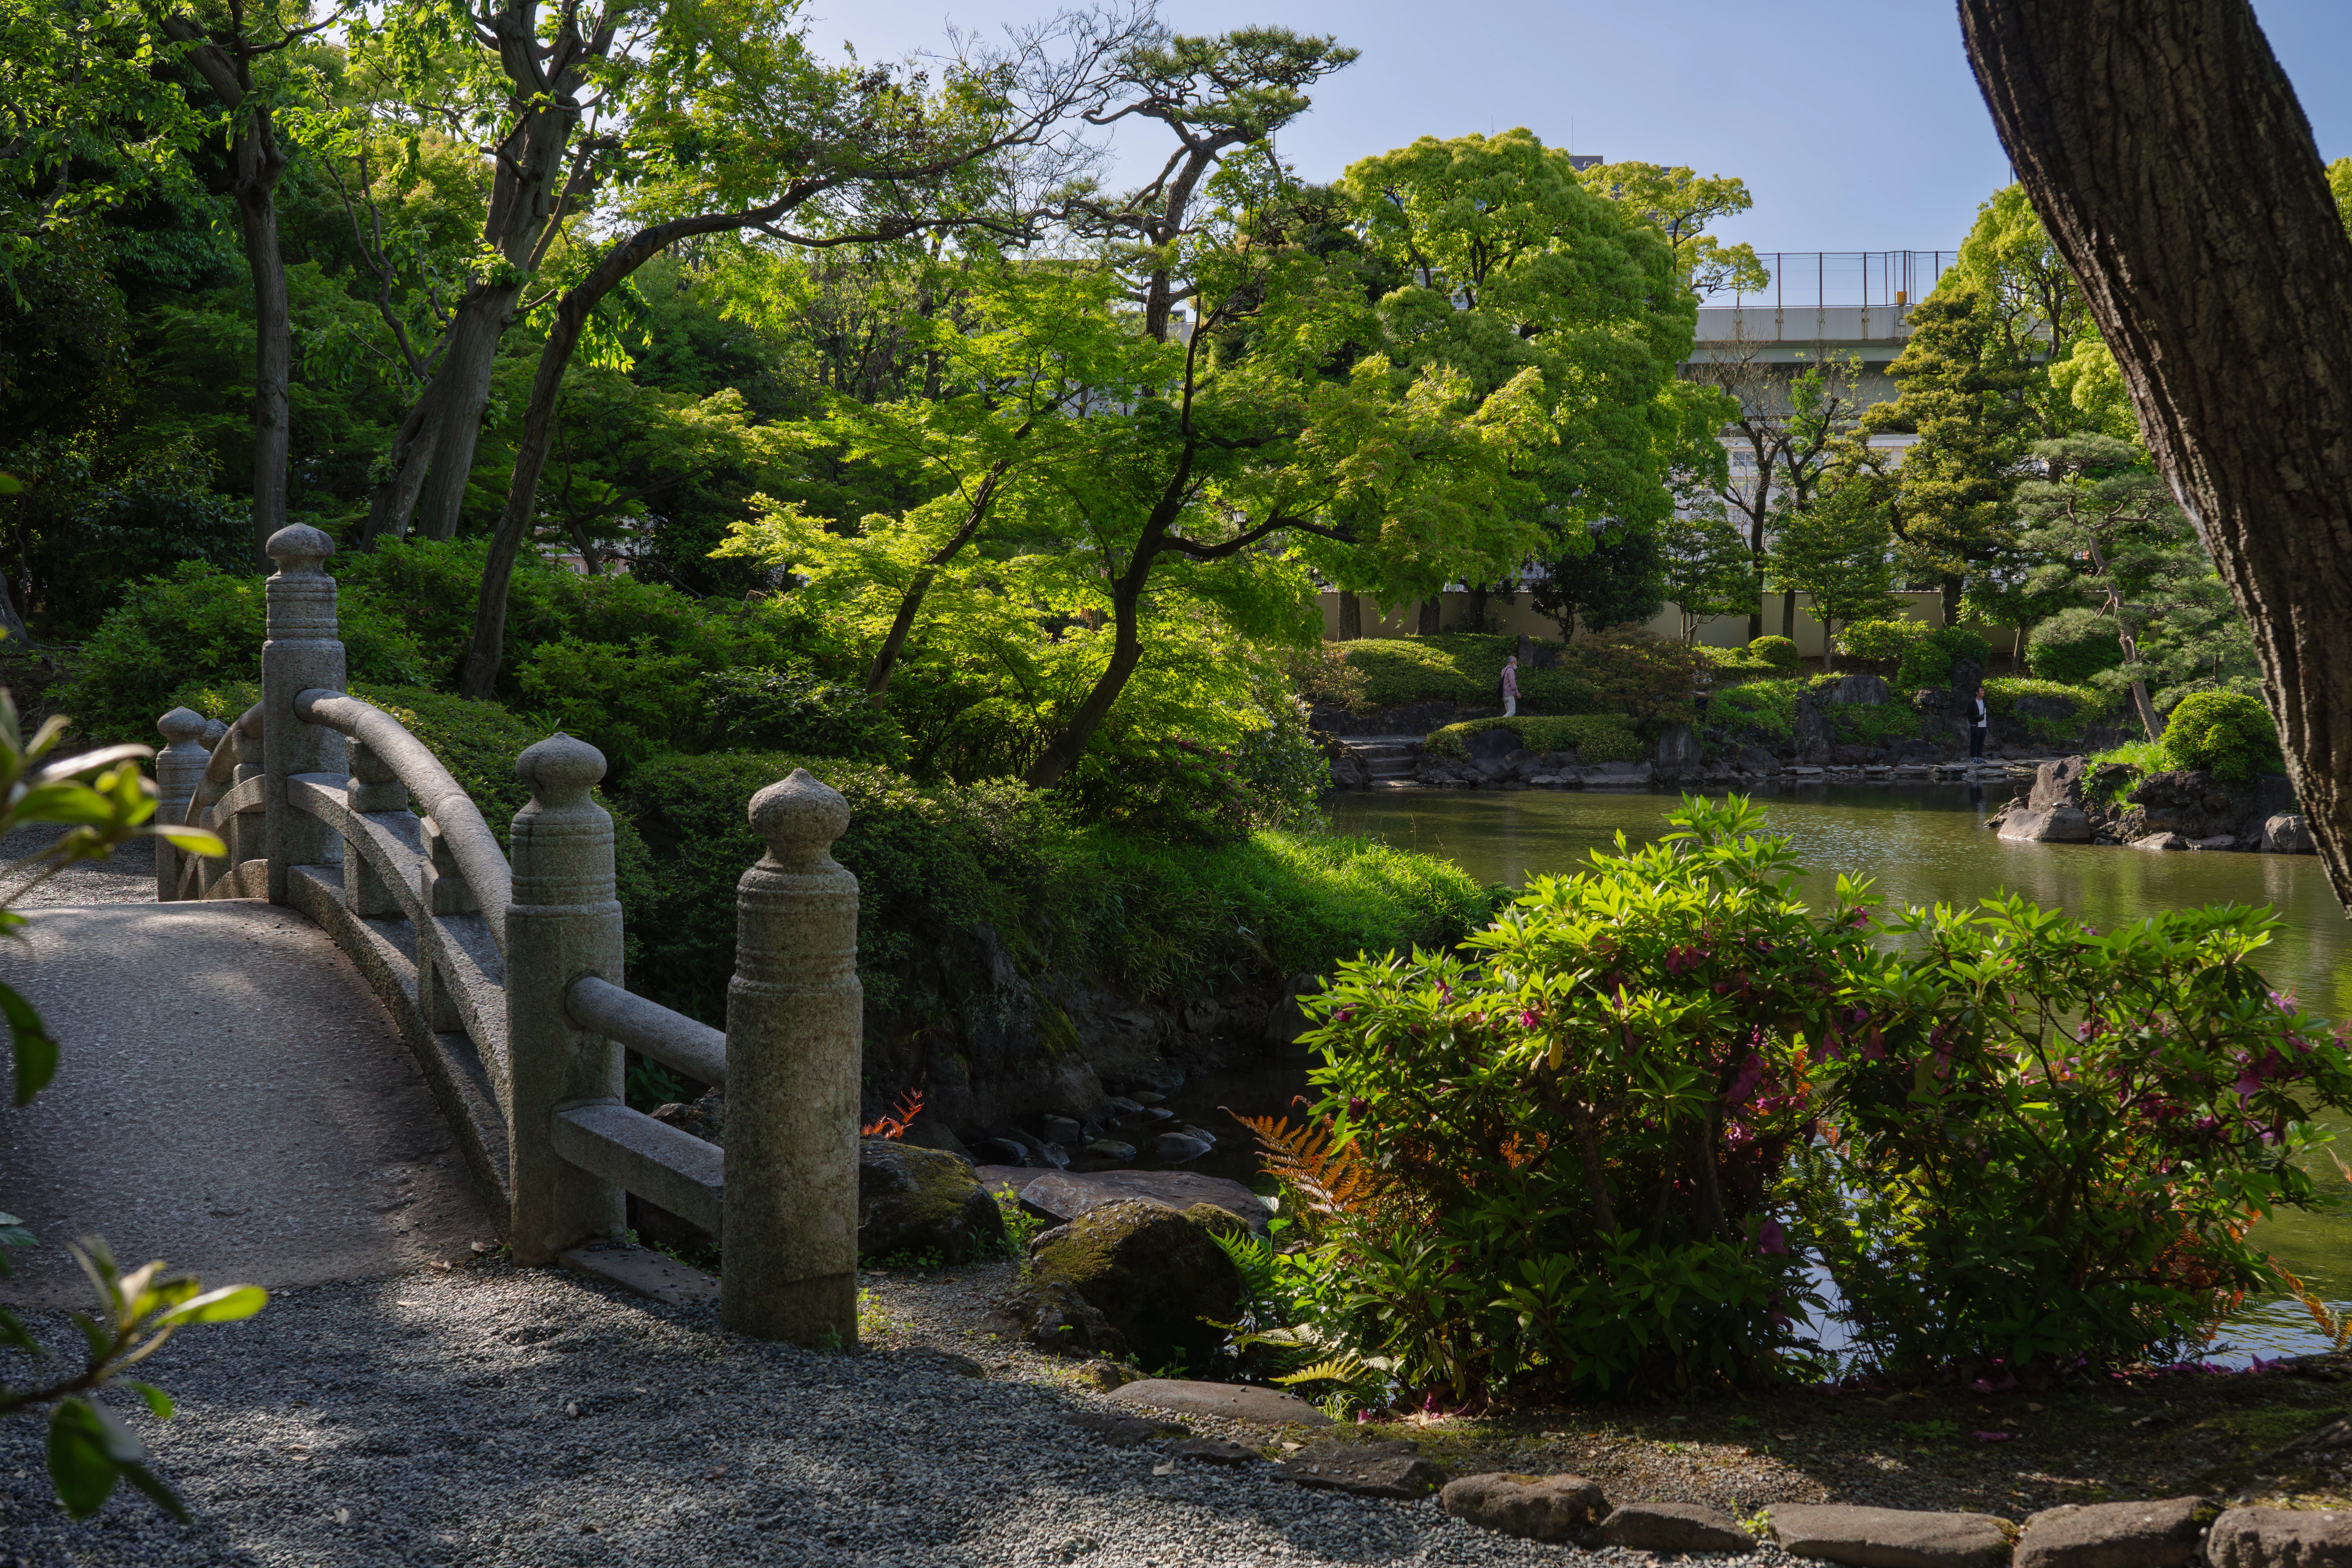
[(1922, 844)]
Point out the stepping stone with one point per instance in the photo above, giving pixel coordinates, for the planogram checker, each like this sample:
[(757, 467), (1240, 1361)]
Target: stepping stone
[(1533, 1508), (1892, 1538), (2113, 1535), (1365, 1469), (1063, 1195), (1229, 1401), (2281, 1538), (1674, 1527)]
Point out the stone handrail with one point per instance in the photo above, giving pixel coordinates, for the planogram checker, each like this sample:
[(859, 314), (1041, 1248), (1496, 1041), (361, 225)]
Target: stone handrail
[(505, 975), (430, 788)]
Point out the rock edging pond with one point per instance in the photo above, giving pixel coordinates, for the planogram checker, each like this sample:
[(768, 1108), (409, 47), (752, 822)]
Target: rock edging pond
[(2077, 800)]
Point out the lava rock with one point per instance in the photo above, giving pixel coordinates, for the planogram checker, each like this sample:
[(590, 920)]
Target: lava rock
[(911, 1199), (2288, 834), (1153, 1272), (1533, 1508)]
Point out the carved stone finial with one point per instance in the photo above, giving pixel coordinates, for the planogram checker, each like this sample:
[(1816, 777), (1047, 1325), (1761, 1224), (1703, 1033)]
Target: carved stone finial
[(252, 723), (559, 770), (215, 732), (799, 818), (181, 725), (299, 547)]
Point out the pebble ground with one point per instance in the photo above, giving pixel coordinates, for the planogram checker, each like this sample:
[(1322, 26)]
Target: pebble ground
[(498, 1415)]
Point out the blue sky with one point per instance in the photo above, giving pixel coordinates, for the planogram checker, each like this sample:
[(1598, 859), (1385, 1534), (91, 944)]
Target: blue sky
[(1854, 122)]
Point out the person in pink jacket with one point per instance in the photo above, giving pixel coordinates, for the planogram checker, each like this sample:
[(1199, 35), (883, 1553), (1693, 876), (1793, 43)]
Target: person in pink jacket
[(1511, 686)]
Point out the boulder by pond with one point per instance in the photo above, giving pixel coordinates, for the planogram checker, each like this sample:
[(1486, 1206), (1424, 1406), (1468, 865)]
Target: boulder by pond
[(921, 1201), (1063, 1195), (1153, 1272)]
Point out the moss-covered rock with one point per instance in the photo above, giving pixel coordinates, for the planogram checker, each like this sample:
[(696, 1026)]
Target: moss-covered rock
[(1153, 1272), (922, 1203)]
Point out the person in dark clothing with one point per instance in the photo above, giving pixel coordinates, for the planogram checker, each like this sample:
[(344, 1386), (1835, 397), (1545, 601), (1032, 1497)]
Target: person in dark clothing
[(1978, 720)]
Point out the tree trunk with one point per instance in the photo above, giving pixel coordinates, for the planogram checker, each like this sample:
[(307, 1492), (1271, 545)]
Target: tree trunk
[(1789, 615), (1952, 587), (1430, 608), (1829, 644), (2168, 158), (878, 677), (1351, 617), (1125, 652), (258, 165)]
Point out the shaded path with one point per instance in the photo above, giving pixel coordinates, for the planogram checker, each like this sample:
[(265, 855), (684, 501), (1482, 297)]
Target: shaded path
[(232, 1098)]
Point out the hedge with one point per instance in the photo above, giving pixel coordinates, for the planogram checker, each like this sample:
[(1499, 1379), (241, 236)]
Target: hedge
[(1594, 737)]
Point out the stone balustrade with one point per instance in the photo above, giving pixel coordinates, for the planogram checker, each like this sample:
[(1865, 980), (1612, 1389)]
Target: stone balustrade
[(503, 972)]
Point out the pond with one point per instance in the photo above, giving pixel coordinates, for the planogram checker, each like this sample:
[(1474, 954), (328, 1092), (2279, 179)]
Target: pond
[(1921, 844)]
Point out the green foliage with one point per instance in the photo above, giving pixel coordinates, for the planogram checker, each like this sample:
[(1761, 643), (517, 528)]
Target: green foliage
[(1734, 661), (2072, 646), (1455, 666), (202, 622), (2086, 705), (767, 709), (1880, 642), (1765, 708), (1594, 737), (1929, 661), (1182, 789), (1617, 578), (2050, 1141), (1779, 652), (2228, 733), (1873, 723), (1155, 918), (1559, 1155)]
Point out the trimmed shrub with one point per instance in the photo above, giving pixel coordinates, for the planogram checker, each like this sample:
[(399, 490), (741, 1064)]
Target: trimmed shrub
[(1779, 652), (1928, 660), (2071, 646), (1734, 661), (2228, 733), (1594, 737), (1460, 667), (1880, 643), (2085, 705), (1762, 708), (791, 709)]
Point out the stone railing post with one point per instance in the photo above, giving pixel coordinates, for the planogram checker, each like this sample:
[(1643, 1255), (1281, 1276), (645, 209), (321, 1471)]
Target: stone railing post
[(794, 1029), (564, 923), (179, 768), (248, 831), (374, 786), (302, 653)]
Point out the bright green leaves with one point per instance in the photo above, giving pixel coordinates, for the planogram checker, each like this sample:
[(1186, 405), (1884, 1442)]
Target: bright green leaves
[(34, 1052)]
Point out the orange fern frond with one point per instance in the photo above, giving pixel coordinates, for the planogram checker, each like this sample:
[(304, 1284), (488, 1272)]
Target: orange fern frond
[(895, 1125), (1332, 1179)]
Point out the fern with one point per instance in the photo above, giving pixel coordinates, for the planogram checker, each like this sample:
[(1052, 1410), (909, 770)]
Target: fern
[(1331, 1178), (1344, 1367)]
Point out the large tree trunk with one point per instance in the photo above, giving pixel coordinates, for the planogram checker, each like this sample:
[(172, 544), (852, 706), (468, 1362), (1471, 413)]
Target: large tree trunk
[(2168, 160), (1351, 617), (260, 163), (1069, 743), (1430, 608), (472, 354)]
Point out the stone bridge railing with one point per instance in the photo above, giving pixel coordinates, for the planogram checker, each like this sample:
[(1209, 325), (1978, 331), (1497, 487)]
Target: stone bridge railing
[(504, 974)]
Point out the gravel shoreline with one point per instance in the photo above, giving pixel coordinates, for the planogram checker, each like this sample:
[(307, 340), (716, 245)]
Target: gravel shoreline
[(493, 1415)]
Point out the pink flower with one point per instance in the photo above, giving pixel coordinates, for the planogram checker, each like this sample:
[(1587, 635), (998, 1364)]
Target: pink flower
[(1995, 1437), (1771, 1239), (1527, 1020)]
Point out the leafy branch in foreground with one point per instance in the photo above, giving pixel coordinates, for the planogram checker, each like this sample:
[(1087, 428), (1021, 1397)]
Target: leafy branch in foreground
[(103, 800)]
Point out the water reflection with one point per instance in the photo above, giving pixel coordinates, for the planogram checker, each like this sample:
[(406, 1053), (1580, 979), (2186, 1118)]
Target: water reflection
[(1926, 844)]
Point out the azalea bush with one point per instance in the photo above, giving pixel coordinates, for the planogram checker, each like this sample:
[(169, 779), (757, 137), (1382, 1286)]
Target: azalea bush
[(1561, 1158), (1596, 1146), (2047, 1144)]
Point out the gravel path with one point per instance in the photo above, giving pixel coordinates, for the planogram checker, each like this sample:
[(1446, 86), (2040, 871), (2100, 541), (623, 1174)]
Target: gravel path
[(501, 1415)]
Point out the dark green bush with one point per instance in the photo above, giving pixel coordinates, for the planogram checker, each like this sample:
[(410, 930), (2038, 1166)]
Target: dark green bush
[(1765, 709), (201, 623), (1179, 789), (2071, 648), (1459, 667), (1780, 653), (2085, 705), (1157, 919), (1928, 660), (792, 710), (2227, 732)]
